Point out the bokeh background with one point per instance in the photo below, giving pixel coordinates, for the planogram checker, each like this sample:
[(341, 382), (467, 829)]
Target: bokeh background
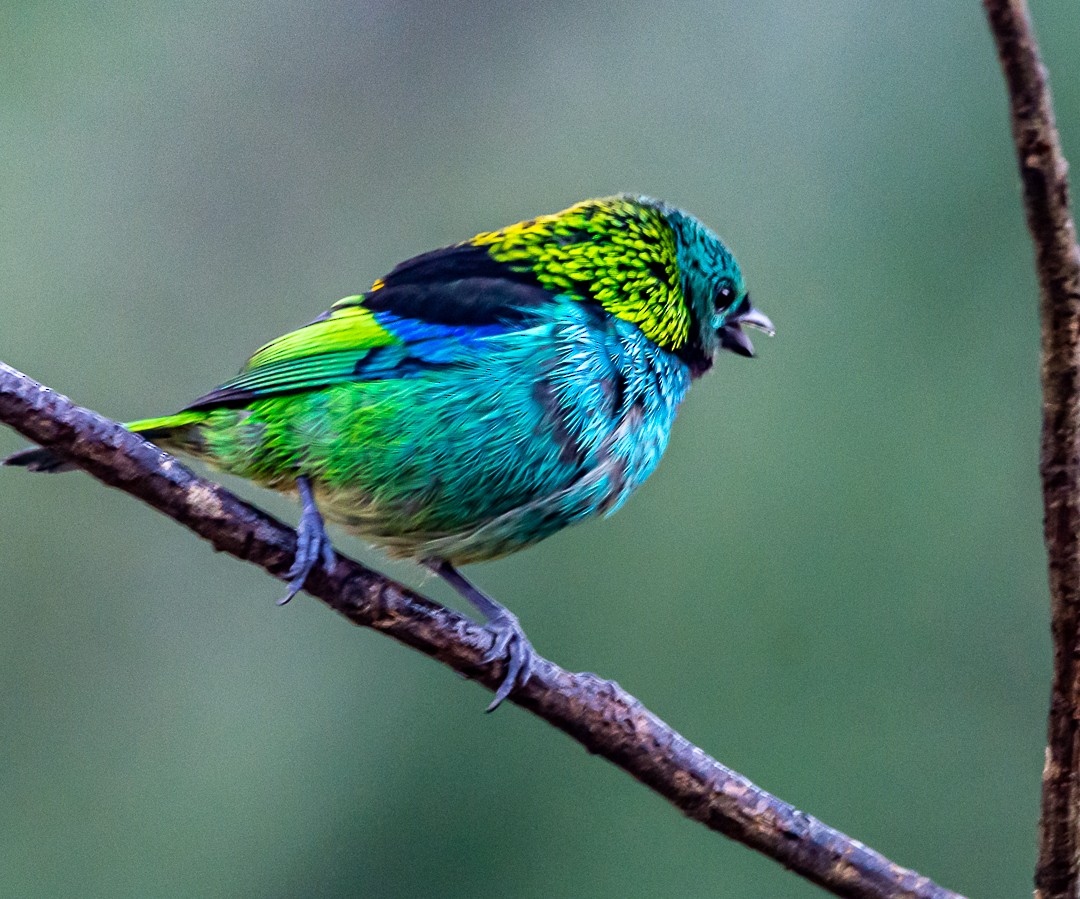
[(834, 582)]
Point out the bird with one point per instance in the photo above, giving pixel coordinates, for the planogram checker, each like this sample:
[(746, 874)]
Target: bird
[(479, 397)]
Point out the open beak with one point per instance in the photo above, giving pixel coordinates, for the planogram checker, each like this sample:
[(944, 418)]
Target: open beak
[(732, 336)]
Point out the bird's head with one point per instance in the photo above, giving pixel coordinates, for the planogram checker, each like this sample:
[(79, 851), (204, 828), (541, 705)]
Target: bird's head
[(715, 295)]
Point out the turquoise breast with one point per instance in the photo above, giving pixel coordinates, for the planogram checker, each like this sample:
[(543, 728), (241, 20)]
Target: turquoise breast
[(545, 427)]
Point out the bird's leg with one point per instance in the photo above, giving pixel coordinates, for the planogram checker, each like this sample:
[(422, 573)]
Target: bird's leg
[(312, 542), (510, 640)]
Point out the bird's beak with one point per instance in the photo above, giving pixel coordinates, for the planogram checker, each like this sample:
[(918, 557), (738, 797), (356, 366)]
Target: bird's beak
[(732, 336)]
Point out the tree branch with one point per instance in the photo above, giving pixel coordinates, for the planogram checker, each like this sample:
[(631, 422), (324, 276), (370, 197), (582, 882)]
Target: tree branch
[(1043, 174), (597, 713)]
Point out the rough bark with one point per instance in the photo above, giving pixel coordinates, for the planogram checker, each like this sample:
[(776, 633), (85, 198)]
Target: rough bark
[(1044, 180), (597, 713)]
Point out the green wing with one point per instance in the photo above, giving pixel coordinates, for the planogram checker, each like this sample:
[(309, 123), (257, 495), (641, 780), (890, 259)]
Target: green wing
[(426, 313), (329, 350)]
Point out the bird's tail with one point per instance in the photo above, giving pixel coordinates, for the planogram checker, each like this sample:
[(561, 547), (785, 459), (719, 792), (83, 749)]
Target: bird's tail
[(39, 459), (154, 429)]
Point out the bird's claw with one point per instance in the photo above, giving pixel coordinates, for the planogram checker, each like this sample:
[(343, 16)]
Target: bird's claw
[(511, 644), (508, 643), (312, 545)]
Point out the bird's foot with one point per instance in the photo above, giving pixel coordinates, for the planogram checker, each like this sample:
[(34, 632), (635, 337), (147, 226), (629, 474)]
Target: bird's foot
[(312, 543), (511, 644)]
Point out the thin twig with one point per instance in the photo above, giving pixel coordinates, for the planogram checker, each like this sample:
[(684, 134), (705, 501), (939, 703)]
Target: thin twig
[(1043, 174), (599, 714)]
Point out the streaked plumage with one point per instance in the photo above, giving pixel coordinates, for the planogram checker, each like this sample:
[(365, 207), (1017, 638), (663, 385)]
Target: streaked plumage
[(483, 396)]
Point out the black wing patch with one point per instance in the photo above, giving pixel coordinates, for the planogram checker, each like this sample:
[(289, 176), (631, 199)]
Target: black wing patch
[(464, 302), (458, 285), (462, 260)]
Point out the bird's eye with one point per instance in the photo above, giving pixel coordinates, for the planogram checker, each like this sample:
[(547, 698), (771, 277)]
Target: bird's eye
[(724, 296)]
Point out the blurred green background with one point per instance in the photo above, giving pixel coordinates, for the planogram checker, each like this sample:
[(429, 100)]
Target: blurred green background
[(834, 583)]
